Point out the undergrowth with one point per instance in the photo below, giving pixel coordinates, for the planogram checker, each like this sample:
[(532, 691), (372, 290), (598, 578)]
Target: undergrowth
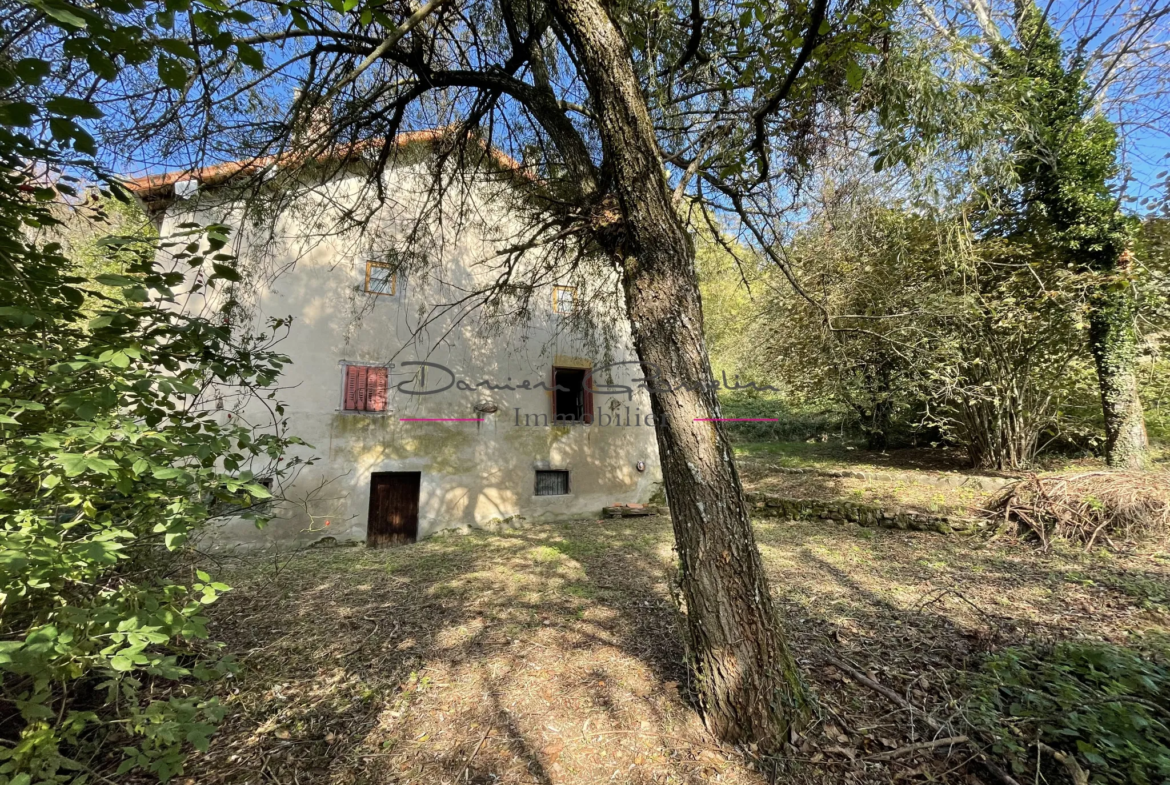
[(1107, 706)]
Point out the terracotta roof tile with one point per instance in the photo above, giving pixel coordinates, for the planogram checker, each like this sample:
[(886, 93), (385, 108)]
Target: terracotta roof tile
[(158, 186)]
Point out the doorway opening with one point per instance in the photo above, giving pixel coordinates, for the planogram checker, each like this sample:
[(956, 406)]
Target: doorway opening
[(393, 518), (572, 397)]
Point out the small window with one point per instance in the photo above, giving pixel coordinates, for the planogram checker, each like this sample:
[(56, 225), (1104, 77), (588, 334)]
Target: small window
[(564, 299), (364, 388), (552, 483), (381, 278), (572, 400)]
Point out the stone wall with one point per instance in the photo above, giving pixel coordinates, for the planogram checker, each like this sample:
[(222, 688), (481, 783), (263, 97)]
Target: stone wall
[(841, 511), (940, 480)]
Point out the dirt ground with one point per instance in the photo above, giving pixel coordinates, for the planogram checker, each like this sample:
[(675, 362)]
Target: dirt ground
[(552, 654)]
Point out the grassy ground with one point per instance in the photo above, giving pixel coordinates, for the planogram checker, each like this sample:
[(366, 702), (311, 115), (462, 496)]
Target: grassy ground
[(552, 654), (898, 478), (843, 454), (838, 454), (909, 478)]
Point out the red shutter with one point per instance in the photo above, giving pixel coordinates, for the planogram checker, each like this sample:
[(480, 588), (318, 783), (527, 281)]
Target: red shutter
[(588, 393), (376, 395), (362, 387), (351, 377), (552, 398)]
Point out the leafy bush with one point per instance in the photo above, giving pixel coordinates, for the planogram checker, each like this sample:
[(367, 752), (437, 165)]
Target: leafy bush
[(793, 425), (108, 461), (109, 455), (1107, 705)]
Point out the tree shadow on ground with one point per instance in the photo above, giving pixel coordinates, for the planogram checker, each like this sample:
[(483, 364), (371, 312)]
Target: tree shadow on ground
[(554, 653), (541, 655)]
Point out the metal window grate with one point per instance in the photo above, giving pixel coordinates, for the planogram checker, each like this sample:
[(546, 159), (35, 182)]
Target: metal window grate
[(552, 483)]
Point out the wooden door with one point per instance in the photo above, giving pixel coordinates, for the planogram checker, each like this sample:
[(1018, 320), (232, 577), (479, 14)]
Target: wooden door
[(393, 508)]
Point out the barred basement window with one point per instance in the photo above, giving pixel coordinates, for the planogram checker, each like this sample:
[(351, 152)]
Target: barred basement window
[(552, 483)]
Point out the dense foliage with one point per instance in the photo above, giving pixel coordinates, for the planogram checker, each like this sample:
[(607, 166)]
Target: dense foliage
[(110, 456), (1000, 299), (908, 323), (108, 464), (1106, 705)]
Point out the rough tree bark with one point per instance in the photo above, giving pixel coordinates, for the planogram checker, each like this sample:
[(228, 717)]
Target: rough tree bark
[(748, 683), (1113, 341)]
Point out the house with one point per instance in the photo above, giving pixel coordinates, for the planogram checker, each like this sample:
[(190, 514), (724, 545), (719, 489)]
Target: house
[(424, 405)]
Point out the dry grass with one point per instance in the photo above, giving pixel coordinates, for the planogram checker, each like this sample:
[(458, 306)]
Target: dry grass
[(552, 654), (1110, 506)]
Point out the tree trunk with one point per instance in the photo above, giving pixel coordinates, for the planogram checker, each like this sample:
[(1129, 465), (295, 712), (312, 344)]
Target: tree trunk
[(748, 684), (876, 426), (1113, 341)]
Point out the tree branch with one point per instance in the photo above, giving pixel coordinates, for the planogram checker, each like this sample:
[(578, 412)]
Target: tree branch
[(760, 114)]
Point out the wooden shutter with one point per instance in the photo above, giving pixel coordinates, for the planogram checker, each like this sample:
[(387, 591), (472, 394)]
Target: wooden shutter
[(587, 393), (363, 373), (552, 398), (376, 390), (351, 377)]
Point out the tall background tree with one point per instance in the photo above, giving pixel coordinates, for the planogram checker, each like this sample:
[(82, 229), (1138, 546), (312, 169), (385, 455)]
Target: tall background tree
[(1065, 206)]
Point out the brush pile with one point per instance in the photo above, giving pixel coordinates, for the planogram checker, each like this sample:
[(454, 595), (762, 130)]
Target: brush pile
[(1088, 508)]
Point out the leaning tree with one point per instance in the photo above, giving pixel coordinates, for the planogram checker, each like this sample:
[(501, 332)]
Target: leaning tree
[(630, 122)]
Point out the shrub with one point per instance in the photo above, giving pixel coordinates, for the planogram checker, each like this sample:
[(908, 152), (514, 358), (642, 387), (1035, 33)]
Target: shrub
[(108, 456), (793, 425), (108, 461), (1106, 706)]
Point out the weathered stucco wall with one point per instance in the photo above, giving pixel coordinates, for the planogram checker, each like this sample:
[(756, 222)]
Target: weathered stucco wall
[(473, 474)]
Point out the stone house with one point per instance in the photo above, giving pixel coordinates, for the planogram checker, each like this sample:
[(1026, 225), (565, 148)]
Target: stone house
[(424, 408)]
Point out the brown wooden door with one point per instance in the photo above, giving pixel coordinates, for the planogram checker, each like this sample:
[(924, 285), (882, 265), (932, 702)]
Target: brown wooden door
[(393, 508)]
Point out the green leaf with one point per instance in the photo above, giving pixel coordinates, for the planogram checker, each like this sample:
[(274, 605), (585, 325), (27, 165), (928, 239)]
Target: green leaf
[(67, 106), (250, 56), (177, 47), (18, 114), (854, 75), (31, 70), (73, 464), (63, 13), (172, 73), (109, 279), (225, 272)]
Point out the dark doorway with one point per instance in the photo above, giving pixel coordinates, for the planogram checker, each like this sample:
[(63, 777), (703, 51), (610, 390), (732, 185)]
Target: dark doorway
[(393, 508), (572, 399)]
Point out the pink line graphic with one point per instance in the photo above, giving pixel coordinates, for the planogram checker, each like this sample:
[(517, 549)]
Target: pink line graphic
[(440, 419), (737, 419)]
